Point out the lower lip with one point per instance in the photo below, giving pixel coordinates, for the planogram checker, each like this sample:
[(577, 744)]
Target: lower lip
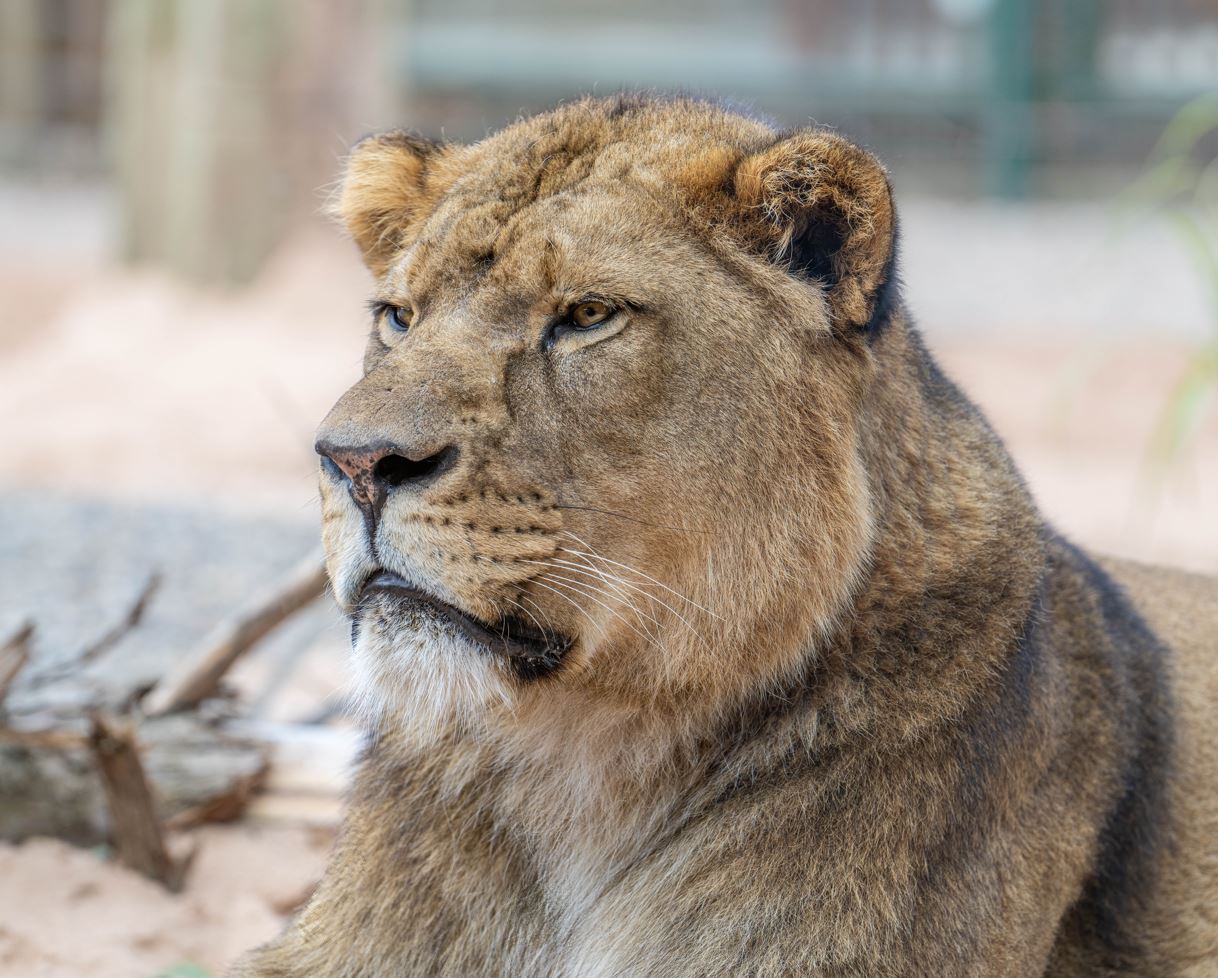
[(532, 657), (388, 583)]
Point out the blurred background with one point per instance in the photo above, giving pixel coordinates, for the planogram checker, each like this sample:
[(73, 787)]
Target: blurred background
[(176, 317)]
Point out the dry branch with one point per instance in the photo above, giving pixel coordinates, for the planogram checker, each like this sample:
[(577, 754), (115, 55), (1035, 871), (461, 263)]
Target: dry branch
[(14, 654), (128, 622), (225, 807), (133, 819), (107, 640), (198, 674), (43, 739)]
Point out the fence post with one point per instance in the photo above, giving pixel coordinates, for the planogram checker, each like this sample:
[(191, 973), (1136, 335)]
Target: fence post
[(1010, 112)]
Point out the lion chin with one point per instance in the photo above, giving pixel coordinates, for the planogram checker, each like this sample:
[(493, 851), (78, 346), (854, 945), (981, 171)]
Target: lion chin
[(703, 626), (413, 666), (421, 661)]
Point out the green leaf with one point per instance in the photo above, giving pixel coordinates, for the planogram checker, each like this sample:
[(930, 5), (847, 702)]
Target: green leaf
[(185, 970), (1201, 246), (1164, 183), (1187, 127), (1184, 409), (1185, 192)]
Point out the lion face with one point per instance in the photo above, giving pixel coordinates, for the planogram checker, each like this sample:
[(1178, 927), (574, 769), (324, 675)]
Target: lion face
[(605, 441)]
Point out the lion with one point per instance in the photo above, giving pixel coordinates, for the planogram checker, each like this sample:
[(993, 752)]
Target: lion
[(703, 627)]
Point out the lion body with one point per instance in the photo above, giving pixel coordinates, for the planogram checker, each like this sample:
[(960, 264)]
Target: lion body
[(905, 729)]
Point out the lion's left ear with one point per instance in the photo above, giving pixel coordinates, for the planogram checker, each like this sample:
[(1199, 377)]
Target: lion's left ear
[(827, 212)]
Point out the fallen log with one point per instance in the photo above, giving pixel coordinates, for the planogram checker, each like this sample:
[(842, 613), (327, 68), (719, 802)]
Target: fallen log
[(123, 592), (199, 771)]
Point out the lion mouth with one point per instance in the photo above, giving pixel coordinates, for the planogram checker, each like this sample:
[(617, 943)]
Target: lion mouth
[(530, 651)]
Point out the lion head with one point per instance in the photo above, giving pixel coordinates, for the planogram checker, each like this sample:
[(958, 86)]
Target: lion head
[(605, 445)]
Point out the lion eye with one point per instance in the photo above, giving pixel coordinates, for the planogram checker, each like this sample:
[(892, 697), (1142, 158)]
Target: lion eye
[(400, 319), (588, 314)]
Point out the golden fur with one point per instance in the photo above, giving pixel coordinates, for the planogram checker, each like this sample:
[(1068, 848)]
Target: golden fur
[(836, 701)]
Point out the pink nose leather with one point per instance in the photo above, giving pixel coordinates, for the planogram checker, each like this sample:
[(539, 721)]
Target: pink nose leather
[(359, 466)]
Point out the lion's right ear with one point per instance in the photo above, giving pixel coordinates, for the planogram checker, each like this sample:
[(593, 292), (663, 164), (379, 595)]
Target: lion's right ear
[(387, 185)]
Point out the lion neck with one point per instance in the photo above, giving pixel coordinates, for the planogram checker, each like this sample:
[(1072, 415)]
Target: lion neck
[(958, 553)]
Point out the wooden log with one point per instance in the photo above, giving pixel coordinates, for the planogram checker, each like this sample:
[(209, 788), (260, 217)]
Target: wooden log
[(50, 784), (134, 825), (122, 631), (198, 674)]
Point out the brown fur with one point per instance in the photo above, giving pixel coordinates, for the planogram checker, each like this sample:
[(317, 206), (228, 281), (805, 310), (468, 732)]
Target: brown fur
[(839, 703)]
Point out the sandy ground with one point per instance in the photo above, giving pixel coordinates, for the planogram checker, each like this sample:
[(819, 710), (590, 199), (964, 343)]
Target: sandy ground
[(70, 913), (121, 383)]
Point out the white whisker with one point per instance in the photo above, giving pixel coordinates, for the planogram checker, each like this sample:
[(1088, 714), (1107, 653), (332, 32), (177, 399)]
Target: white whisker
[(633, 570), (592, 573), (591, 596), (592, 590), (539, 609), (609, 579), (516, 604), (573, 604)]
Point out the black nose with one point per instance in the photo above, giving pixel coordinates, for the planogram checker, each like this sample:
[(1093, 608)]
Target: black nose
[(374, 471)]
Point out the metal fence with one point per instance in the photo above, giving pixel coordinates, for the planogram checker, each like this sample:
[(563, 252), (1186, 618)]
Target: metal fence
[(1006, 85), (215, 121)]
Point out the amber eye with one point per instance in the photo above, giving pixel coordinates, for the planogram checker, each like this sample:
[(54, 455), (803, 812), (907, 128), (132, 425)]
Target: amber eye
[(590, 313), (400, 319)]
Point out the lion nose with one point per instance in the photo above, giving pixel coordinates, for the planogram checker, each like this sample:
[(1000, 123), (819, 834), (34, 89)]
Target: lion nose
[(374, 471)]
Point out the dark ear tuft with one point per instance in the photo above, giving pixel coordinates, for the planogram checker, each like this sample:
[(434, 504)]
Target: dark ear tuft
[(384, 189), (828, 215)]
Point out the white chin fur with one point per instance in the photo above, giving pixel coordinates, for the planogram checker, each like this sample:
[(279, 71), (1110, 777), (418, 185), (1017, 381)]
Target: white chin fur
[(416, 673)]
